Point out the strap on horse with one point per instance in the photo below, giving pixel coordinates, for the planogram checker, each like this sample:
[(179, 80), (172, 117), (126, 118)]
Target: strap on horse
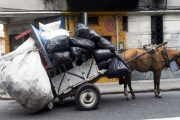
[(164, 54), (166, 58)]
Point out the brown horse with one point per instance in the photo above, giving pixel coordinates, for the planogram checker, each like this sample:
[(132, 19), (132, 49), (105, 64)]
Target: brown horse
[(155, 63)]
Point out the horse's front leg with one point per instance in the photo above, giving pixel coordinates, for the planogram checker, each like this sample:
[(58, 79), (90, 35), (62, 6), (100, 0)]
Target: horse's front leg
[(125, 89), (157, 75), (155, 89)]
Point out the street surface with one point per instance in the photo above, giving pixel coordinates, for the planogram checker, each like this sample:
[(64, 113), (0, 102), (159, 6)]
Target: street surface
[(112, 107)]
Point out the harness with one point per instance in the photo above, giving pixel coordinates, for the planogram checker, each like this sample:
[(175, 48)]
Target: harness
[(153, 56)]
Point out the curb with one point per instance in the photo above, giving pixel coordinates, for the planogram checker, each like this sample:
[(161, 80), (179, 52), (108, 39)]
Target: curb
[(141, 91), (5, 98)]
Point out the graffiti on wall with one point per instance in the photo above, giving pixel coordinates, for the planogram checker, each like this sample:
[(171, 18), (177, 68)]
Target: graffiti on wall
[(110, 25)]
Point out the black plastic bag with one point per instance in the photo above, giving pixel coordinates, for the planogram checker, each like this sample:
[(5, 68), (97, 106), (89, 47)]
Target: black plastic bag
[(103, 43), (117, 69), (50, 56), (59, 58), (86, 32), (102, 54), (78, 51), (57, 44), (104, 64), (82, 42), (122, 60)]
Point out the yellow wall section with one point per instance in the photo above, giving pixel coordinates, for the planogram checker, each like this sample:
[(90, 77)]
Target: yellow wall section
[(6, 38)]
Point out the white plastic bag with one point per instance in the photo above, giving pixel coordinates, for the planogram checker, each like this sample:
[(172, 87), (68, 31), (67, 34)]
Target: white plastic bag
[(50, 26), (48, 35), (25, 79), (51, 30)]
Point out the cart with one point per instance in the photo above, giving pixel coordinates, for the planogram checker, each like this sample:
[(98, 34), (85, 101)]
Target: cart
[(77, 81)]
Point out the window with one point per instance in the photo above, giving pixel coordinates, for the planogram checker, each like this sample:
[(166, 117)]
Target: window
[(93, 20), (156, 29), (107, 37), (125, 23)]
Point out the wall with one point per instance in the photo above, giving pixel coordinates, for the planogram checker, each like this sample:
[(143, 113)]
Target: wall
[(2, 45), (139, 31), (6, 38)]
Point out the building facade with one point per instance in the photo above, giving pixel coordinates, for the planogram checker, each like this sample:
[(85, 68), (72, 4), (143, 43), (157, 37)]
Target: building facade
[(126, 23)]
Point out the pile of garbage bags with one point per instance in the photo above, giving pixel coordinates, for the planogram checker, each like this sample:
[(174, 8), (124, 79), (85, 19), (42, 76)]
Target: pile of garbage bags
[(63, 51)]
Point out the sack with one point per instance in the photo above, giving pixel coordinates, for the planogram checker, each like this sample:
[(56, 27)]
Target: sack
[(51, 30), (77, 51), (104, 64), (57, 44), (59, 58), (86, 32), (105, 44), (20, 79), (28, 45), (48, 35), (50, 26), (102, 54), (82, 42), (117, 69)]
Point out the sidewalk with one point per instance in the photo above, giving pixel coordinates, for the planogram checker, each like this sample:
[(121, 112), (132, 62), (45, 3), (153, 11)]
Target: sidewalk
[(4, 96), (138, 86)]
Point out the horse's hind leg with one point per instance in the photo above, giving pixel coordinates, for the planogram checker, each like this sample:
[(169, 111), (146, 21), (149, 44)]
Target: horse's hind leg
[(157, 75), (125, 89)]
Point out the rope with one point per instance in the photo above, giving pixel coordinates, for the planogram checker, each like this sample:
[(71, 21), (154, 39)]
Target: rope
[(160, 50)]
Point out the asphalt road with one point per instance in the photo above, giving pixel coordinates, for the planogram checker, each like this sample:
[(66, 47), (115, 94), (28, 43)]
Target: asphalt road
[(112, 107)]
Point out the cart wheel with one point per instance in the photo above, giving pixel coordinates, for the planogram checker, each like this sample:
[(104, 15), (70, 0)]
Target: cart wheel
[(50, 106), (88, 97)]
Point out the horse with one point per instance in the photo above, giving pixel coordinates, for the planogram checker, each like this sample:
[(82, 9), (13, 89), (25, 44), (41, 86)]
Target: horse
[(148, 62)]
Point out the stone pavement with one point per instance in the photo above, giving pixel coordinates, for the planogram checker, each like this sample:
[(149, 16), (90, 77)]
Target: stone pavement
[(138, 86)]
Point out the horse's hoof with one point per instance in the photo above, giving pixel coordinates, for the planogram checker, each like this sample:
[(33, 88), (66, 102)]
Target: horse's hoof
[(159, 96), (133, 97), (127, 99)]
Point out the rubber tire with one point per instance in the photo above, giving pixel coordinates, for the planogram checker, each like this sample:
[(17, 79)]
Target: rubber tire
[(81, 89)]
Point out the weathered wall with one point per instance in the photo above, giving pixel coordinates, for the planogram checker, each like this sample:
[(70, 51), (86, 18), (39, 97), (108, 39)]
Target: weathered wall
[(27, 5), (139, 31)]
